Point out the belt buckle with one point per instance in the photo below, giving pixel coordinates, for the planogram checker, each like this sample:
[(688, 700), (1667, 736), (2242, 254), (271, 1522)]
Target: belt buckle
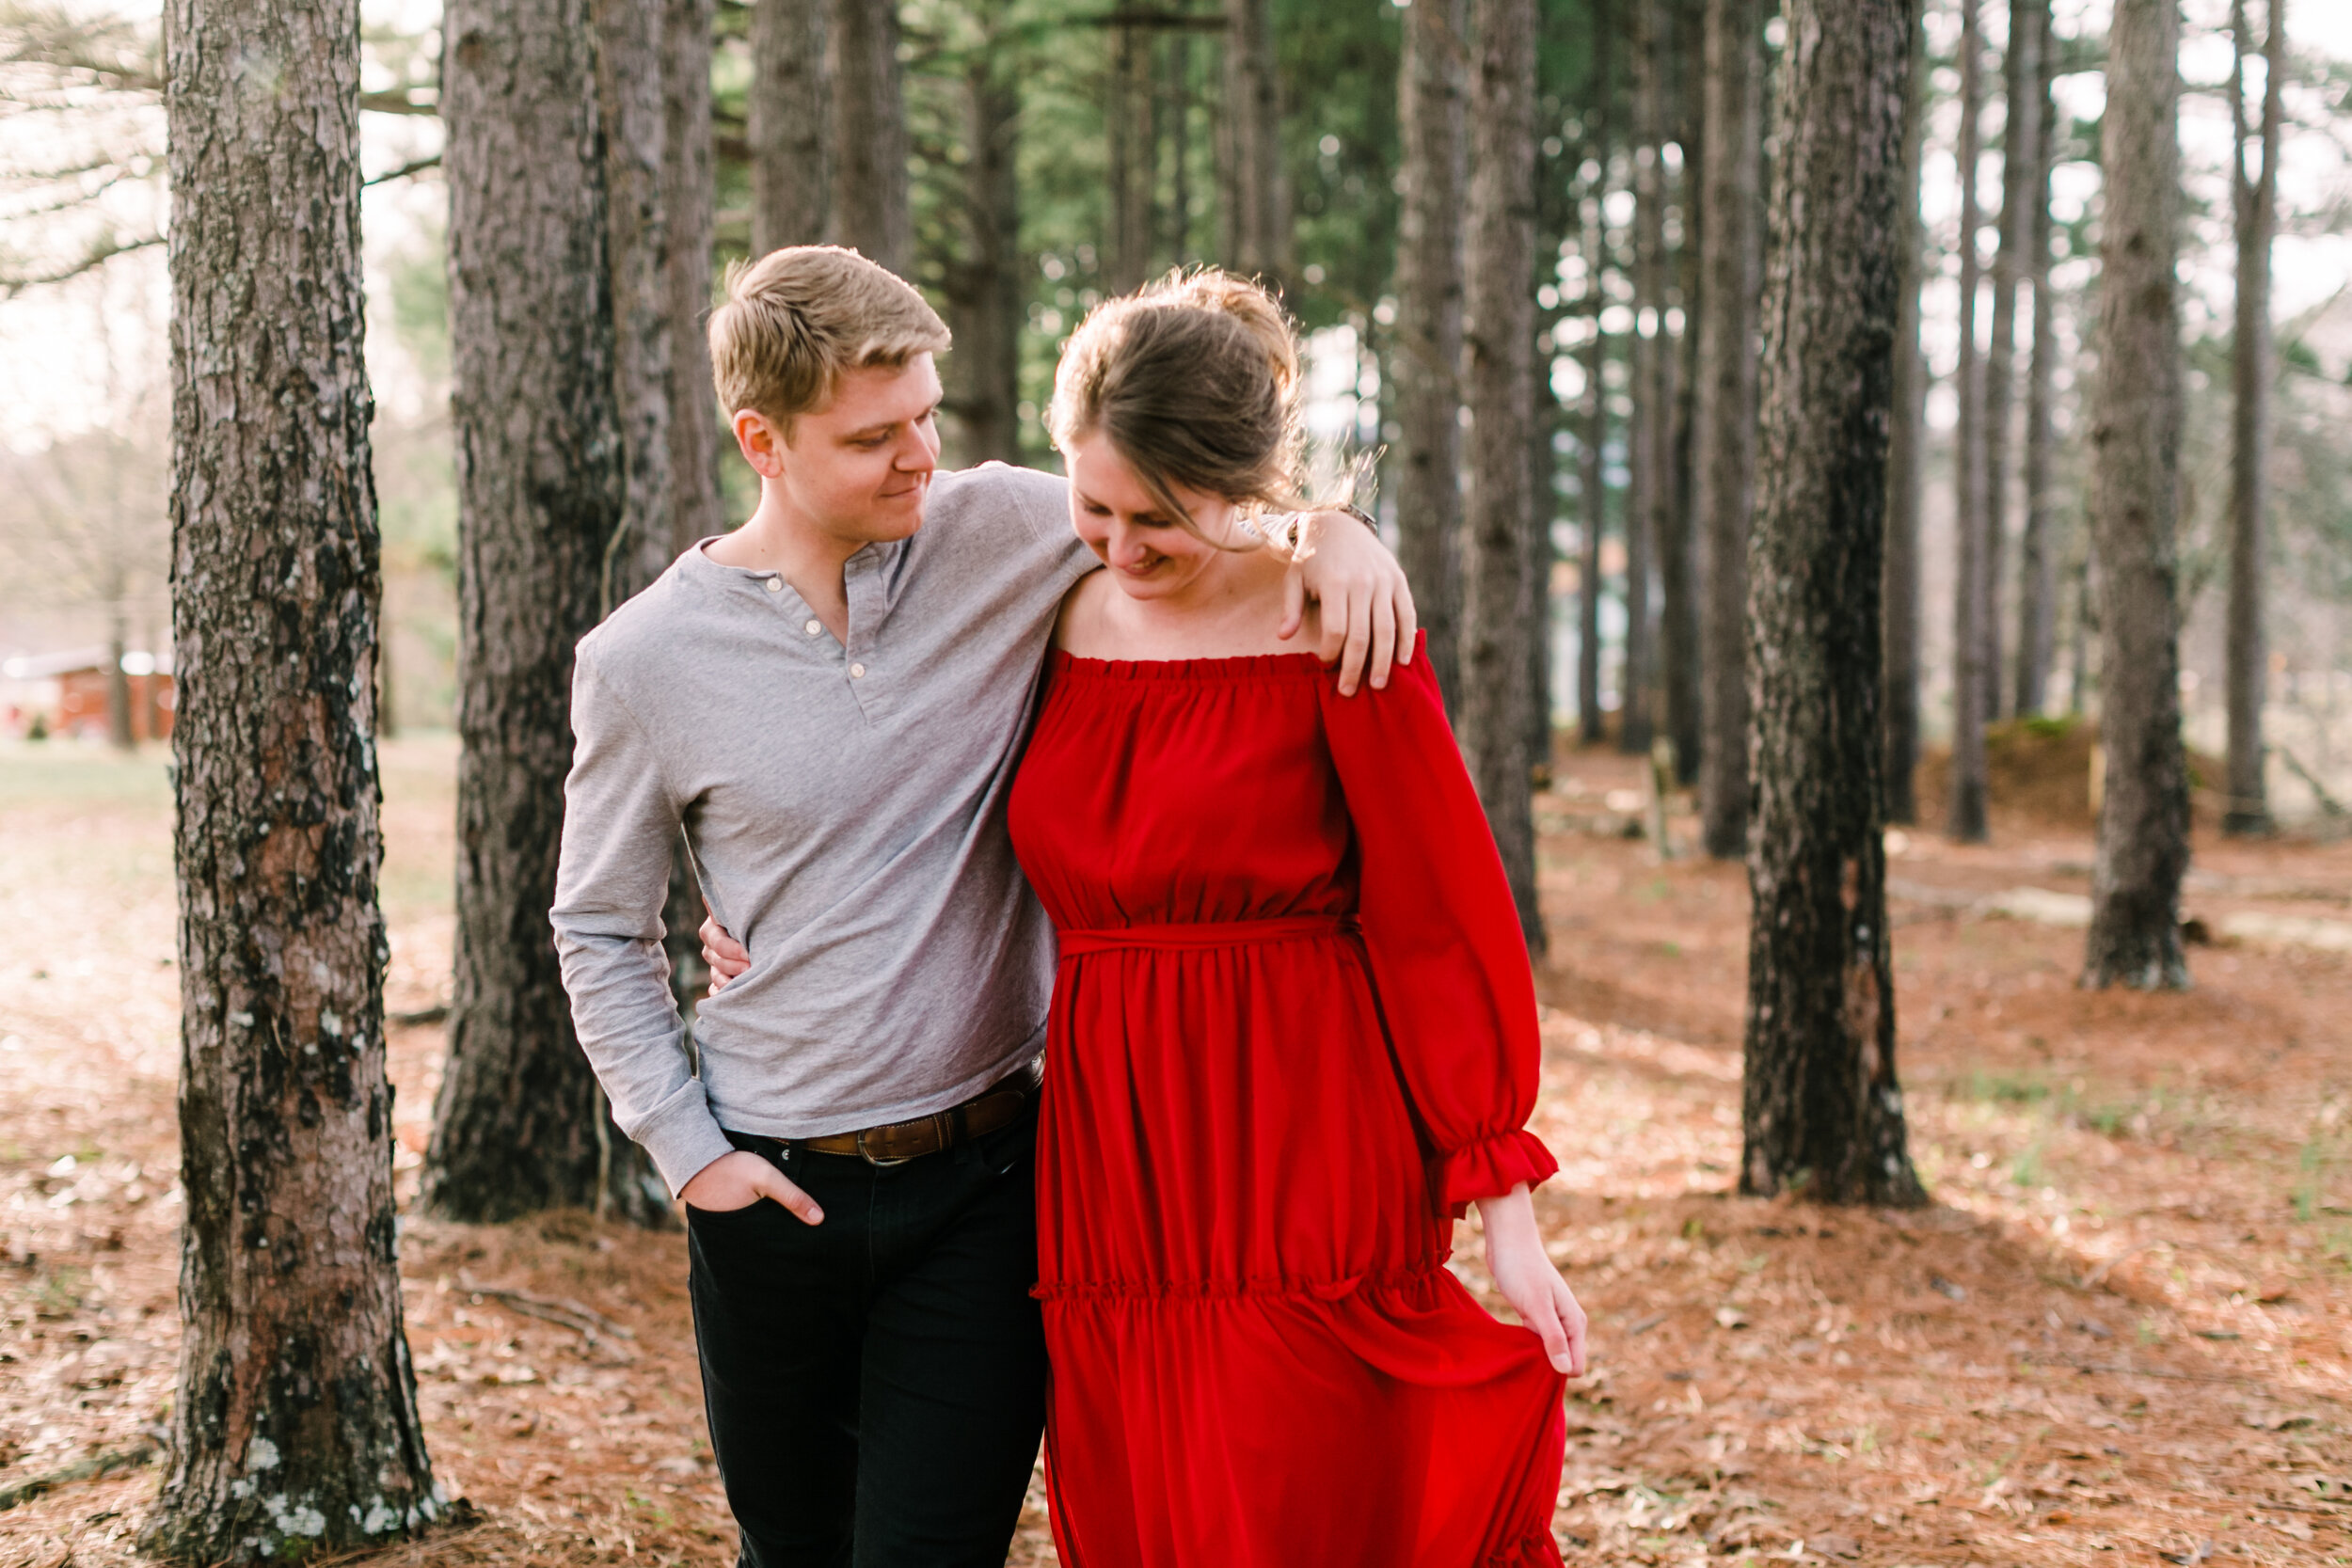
[(879, 1164)]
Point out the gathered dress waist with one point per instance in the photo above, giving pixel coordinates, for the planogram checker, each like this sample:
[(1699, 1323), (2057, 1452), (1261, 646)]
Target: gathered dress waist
[(1201, 935)]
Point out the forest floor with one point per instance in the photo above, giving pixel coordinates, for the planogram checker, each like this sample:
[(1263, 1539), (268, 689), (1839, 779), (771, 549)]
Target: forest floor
[(2122, 1332)]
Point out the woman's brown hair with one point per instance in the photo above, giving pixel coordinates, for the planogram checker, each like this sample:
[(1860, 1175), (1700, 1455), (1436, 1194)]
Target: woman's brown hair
[(1193, 381)]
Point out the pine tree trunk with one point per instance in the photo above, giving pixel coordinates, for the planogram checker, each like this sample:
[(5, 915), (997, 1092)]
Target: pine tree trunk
[(118, 732), (1731, 236), (1680, 677), (2249, 433), (1906, 471), (870, 199), (984, 280), (1652, 425), (629, 40), (2037, 563), (1426, 362), (1499, 333), (1255, 204), (519, 1125), (2020, 137), (2135, 440), (1134, 157), (791, 123), (1822, 1112), (1967, 823), (295, 1426), (1543, 478), (1593, 473)]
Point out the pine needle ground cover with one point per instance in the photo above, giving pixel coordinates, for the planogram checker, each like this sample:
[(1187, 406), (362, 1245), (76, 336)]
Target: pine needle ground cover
[(2121, 1334)]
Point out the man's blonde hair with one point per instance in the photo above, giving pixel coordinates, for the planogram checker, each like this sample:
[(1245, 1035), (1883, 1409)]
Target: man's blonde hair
[(797, 318)]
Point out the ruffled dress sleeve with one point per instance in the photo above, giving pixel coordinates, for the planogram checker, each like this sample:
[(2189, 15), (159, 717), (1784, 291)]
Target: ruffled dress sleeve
[(1448, 958)]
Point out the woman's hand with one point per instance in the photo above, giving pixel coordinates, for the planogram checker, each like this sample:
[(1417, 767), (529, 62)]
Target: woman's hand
[(739, 1179), (1367, 607), (1528, 1280), (726, 956)]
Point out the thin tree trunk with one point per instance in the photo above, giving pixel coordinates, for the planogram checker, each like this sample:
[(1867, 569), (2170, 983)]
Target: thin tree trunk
[(1593, 472), (2078, 638), (118, 732), (1134, 157), (1731, 231), (1543, 474), (1498, 334), (519, 1125), (1906, 470), (1256, 201), (870, 201), (2037, 564), (791, 123), (294, 1427), (1822, 1110), (1652, 425), (2134, 439), (1680, 675), (1967, 823), (2250, 433), (629, 45), (1427, 362), (2020, 140), (983, 282)]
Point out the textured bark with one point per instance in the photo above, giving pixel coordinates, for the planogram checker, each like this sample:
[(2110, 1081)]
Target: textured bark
[(1426, 362), (1731, 236), (519, 1125), (294, 1427), (2142, 847), (1651, 425), (1679, 671), (1822, 1113), (1966, 821), (1593, 477), (1499, 336), (790, 99), (2020, 140), (2256, 211), (635, 113), (2037, 553), (1906, 473), (983, 279), (1255, 204), (870, 211)]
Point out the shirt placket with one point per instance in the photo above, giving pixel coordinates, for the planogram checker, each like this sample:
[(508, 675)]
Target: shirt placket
[(867, 675)]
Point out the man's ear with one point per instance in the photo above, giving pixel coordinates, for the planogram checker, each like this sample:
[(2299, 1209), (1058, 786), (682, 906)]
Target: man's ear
[(761, 443)]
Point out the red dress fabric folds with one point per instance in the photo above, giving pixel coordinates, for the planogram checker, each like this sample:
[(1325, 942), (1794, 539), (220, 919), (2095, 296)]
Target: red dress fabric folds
[(1294, 1032)]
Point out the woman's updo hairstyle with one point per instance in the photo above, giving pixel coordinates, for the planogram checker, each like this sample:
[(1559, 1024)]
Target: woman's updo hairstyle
[(1193, 381)]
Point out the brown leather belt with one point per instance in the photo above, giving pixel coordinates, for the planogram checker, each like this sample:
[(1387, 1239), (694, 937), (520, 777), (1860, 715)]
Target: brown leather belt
[(894, 1143)]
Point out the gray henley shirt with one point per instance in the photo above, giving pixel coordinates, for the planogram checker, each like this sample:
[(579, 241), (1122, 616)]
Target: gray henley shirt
[(846, 808)]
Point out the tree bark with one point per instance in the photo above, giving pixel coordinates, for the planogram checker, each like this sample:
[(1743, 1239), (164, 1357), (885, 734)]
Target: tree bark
[(1499, 333), (2256, 211), (1731, 236), (1967, 823), (983, 280), (1593, 472), (791, 124), (1906, 471), (1543, 479), (1822, 1112), (2020, 140), (1652, 419), (1255, 202), (519, 1125), (295, 1426), (630, 43), (1134, 157), (2037, 562), (2142, 847), (870, 199), (1427, 362), (1680, 677)]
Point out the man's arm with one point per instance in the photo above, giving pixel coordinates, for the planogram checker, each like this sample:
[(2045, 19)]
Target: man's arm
[(1367, 607)]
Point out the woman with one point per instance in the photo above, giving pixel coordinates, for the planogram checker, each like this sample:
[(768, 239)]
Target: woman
[(1293, 1034)]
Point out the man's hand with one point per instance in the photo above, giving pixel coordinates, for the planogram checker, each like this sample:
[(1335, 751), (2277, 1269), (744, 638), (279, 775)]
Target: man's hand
[(739, 1179), (1529, 1281), (1367, 606), (726, 956)]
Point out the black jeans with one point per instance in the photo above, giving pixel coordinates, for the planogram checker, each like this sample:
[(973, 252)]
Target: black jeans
[(876, 1383)]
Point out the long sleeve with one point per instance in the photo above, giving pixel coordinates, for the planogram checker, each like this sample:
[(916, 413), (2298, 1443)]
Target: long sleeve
[(620, 824), (1447, 955)]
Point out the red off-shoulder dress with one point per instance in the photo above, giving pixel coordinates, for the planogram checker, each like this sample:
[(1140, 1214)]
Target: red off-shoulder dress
[(1293, 1035)]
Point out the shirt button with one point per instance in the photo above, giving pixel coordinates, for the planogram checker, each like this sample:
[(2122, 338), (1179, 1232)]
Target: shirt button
[(813, 627), (857, 672), (775, 585)]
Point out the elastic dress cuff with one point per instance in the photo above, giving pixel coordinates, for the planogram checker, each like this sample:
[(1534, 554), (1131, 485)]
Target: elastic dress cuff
[(1489, 1168)]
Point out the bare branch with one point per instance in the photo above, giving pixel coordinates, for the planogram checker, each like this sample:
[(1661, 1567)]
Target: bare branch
[(97, 256), (403, 171), (396, 102)]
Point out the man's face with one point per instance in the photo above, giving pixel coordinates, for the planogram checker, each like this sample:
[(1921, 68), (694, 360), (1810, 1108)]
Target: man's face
[(858, 468)]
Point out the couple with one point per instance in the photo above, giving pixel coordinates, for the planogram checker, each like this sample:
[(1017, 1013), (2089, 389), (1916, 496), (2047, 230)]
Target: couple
[(1284, 1014)]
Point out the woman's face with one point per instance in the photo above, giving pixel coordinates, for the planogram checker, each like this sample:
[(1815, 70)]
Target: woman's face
[(1151, 555)]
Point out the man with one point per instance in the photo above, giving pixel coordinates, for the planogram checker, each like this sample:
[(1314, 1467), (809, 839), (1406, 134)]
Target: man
[(830, 704)]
